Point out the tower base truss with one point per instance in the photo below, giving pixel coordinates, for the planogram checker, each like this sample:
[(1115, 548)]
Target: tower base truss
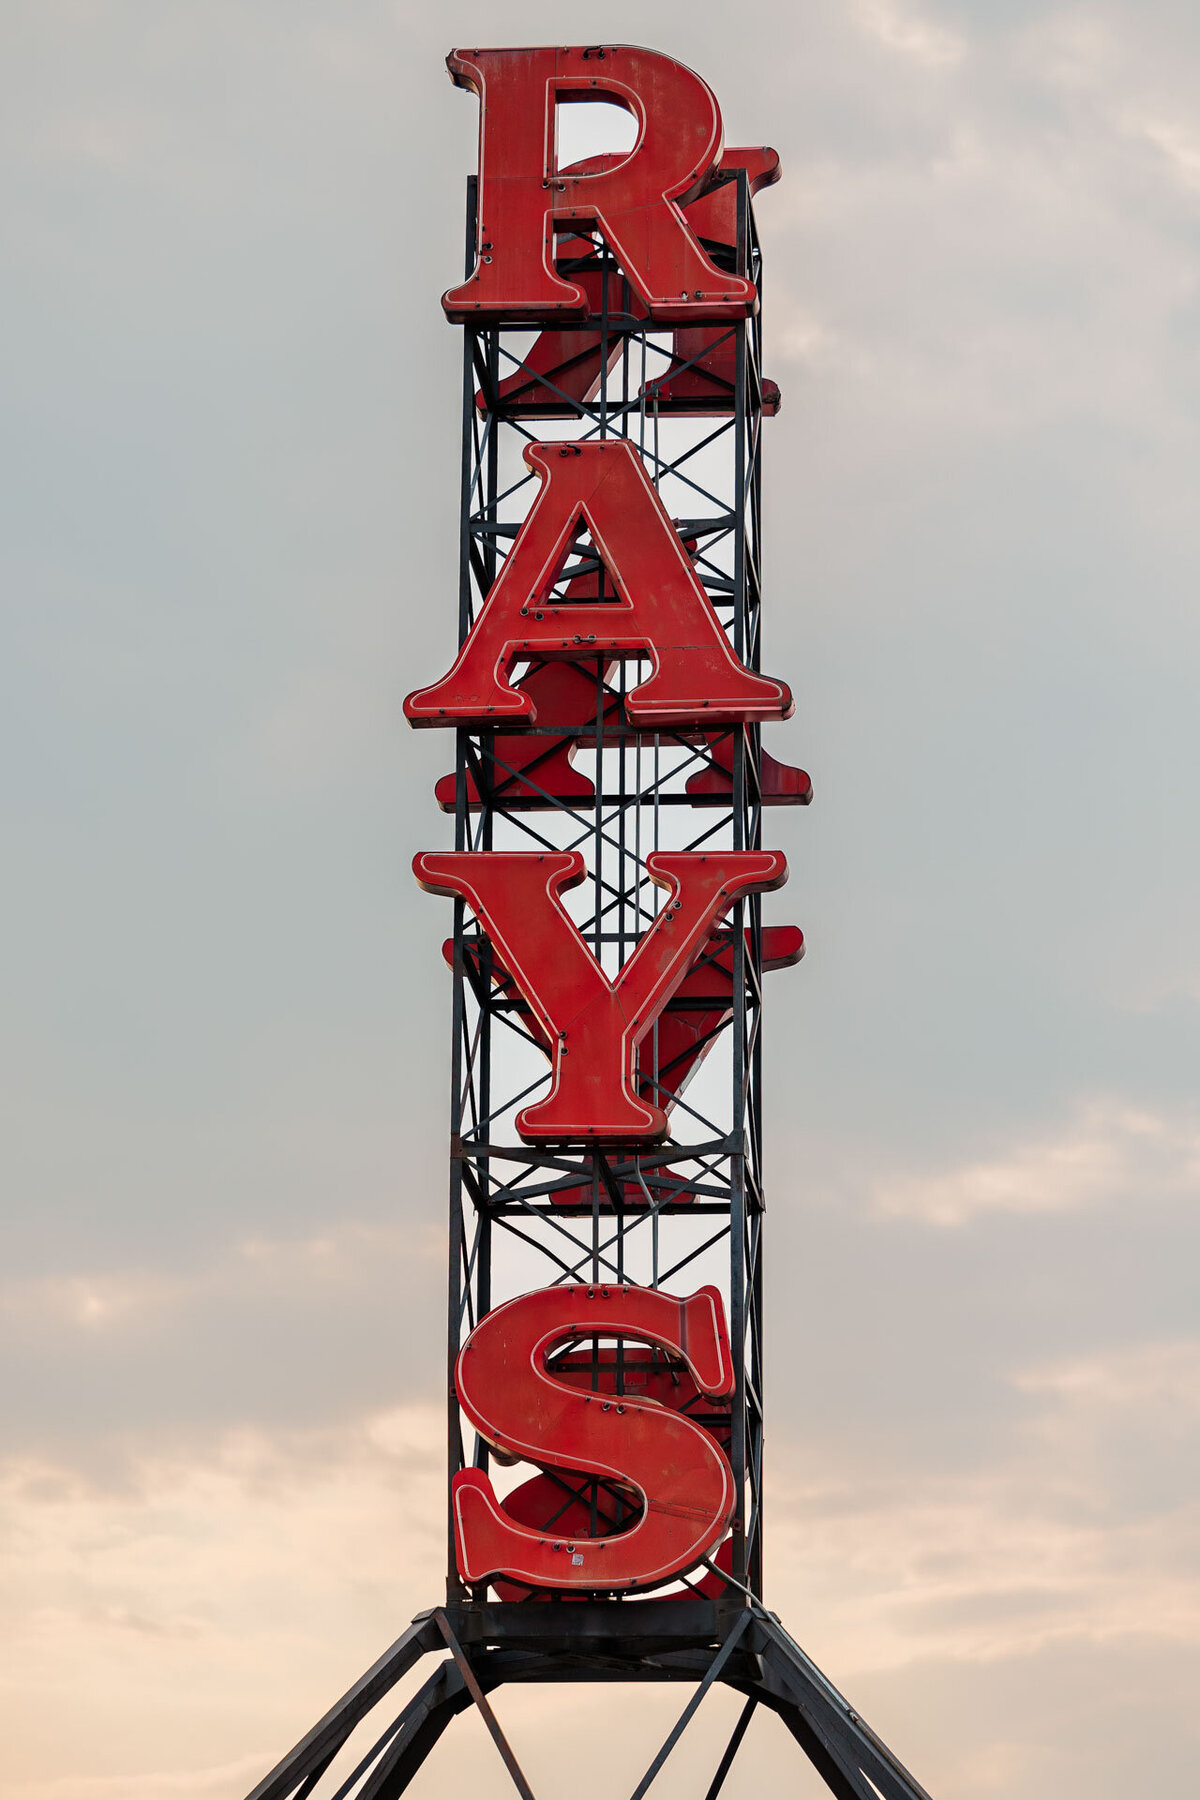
[(483, 1647)]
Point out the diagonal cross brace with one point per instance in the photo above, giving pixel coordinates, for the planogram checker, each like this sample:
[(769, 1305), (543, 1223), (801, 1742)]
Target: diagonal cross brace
[(711, 1674), (317, 1748), (480, 1698), (732, 1747)]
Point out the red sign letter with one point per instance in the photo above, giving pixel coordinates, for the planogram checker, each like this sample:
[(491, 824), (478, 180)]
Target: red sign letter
[(524, 197), (661, 1458), (530, 772), (561, 369), (594, 1024), (662, 611)]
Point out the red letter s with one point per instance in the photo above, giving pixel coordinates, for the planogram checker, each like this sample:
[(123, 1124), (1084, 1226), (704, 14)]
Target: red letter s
[(668, 1463)]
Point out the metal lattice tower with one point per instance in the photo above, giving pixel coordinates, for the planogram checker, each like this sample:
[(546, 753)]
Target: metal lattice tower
[(691, 1208)]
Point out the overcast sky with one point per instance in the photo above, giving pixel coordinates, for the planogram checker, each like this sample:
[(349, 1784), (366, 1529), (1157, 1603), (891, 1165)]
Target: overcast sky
[(229, 440)]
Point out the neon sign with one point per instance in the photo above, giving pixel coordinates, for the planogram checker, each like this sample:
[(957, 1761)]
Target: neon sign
[(534, 655)]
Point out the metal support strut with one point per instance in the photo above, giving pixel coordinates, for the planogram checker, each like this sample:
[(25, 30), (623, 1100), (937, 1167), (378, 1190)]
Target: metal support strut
[(747, 1649)]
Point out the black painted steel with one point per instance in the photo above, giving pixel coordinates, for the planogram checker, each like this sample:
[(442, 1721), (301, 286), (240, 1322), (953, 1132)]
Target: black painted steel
[(679, 1641)]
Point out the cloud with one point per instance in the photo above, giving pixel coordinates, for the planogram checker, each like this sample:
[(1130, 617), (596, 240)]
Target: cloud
[(210, 1596), (1179, 144), (1042, 1545), (159, 1784), (1165, 1377), (305, 1270), (898, 29), (1133, 89), (1108, 1151), (264, 1333)]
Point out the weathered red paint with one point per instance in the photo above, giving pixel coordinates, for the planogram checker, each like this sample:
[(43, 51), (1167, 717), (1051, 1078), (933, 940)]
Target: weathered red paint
[(688, 1027), (676, 1476), (594, 1025), (660, 612), (544, 1504), (571, 1506), (783, 784), (562, 366), (531, 773), (525, 199), (703, 369), (528, 772)]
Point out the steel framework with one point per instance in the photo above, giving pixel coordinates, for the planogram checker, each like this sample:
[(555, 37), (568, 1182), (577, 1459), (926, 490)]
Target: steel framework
[(523, 1216)]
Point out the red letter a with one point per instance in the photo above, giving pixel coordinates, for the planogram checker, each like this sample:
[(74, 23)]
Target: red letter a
[(594, 1024), (661, 611), (524, 198)]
